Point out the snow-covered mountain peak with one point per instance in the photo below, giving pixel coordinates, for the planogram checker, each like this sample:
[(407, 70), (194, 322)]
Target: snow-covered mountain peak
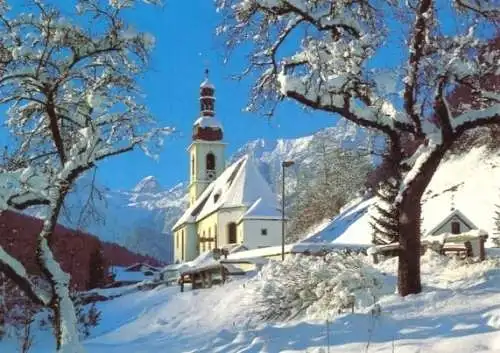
[(147, 185)]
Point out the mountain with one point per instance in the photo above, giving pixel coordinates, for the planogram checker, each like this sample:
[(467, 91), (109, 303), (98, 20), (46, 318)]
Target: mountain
[(135, 219), (268, 155), (141, 218)]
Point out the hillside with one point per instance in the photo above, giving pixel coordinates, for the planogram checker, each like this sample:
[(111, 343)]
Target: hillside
[(470, 181), (18, 236)]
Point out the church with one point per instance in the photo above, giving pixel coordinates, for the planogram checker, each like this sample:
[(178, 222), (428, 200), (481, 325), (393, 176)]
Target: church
[(228, 207)]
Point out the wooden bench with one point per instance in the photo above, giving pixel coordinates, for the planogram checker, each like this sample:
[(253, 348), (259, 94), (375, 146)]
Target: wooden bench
[(455, 245), (463, 250)]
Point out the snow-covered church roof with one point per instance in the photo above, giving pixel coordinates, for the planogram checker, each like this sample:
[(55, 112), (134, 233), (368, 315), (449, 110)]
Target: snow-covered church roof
[(207, 84), (207, 121), (240, 185)]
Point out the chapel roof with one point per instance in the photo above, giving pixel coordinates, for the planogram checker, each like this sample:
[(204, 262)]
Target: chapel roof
[(240, 185)]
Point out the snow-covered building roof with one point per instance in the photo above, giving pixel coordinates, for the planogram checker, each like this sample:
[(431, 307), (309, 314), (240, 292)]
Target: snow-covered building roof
[(208, 121), (141, 267), (296, 248), (261, 210), (454, 214), (240, 185), (206, 84), (123, 275)]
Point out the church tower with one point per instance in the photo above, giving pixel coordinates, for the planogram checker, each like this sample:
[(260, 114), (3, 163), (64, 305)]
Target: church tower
[(206, 152)]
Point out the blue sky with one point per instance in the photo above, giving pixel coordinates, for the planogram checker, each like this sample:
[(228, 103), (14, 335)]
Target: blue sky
[(185, 43)]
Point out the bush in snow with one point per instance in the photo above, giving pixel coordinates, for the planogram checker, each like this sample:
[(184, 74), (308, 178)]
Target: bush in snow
[(315, 286)]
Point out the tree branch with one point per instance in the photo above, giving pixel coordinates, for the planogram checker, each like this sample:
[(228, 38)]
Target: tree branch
[(416, 55)]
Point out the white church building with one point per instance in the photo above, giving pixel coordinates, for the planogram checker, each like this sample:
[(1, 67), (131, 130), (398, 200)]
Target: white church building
[(227, 206)]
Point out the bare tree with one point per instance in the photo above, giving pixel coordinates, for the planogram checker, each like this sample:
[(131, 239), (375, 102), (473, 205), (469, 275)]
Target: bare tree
[(70, 83), (323, 54), (333, 177)]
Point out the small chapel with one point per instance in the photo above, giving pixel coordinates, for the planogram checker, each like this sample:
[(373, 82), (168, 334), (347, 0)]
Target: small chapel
[(228, 207)]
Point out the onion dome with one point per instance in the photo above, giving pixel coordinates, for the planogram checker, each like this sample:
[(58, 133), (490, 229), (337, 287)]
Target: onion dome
[(206, 127)]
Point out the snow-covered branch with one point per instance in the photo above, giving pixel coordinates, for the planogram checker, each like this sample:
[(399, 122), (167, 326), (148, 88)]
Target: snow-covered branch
[(70, 84), (17, 273)]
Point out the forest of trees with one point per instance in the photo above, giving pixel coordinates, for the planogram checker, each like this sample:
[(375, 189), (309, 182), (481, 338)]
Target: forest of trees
[(334, 176)]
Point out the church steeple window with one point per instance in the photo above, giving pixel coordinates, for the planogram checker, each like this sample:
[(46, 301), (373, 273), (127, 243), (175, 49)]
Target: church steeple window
[(210, 161)]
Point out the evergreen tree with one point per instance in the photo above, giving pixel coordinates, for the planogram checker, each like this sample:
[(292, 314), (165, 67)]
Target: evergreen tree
[(97, 268), (384, 215), (496, 229)]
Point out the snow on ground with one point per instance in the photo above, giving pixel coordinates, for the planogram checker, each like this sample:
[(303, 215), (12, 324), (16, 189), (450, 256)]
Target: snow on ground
[(470, 182), (458, 311), (351, 226)]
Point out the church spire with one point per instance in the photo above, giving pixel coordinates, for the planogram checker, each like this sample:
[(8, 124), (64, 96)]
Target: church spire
[(207, 97), (206, 127)]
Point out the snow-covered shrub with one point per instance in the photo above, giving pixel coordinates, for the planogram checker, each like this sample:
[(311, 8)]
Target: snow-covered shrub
[(315, 286)]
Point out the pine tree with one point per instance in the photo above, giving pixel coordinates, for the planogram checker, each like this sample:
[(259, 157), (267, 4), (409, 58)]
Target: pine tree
[(97, 268), (496, 229), (384, 215)]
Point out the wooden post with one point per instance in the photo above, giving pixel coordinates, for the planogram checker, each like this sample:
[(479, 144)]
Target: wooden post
[(209, 279), (482, 251), (193, 280), (203, 276), (468, 246), (181, 282), (375, 258), (223, 273)]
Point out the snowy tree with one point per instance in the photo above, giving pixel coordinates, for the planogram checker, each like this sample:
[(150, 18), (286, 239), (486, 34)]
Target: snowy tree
[(384, 214), (331, 179), (315, 286), (70, 84), (327, 56)]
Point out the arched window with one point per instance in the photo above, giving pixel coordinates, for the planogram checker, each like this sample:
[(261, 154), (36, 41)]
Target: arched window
[(231, 233), (210, 161), (455, 227)]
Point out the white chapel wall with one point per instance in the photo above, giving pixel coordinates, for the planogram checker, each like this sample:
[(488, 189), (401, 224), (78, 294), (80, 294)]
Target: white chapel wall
[(252, 233)]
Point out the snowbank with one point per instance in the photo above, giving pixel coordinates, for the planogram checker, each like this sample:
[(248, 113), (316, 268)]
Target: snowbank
[(470, 183)]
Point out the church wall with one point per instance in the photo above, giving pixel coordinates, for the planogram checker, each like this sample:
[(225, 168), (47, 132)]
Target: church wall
[(197, 159), (227, 216), (207, 228), (240, 229), (185, 235), (191, 243), (252, 232)]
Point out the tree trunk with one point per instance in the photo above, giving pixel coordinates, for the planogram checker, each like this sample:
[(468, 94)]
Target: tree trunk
[(65, 320), (409, 225)]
